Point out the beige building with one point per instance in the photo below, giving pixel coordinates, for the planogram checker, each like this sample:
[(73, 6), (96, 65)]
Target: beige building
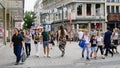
[(11, 11), (86, 14)]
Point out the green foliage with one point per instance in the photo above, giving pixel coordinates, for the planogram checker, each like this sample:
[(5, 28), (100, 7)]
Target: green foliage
[(29, 19)]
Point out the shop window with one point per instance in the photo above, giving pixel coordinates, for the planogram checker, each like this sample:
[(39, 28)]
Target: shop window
[(79, 9), (117, 9), (88, 10), (108, 9), (97, 9), (112, 9)]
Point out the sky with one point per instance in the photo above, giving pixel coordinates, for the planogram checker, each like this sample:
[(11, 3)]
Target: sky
[(29, 5)]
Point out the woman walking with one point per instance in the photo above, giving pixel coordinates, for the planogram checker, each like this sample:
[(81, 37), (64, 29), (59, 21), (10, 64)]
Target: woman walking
[(100, 43), (36, 42), (28, 38), (62, 40), (87, 44), (93, 42), (18, 44), (115, 37)]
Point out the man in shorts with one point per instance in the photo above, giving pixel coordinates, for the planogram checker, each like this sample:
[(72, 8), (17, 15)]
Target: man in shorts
[(45, 39)]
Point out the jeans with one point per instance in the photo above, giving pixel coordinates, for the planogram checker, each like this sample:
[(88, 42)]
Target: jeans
[(87, 50), (17, 52), (28, 48)]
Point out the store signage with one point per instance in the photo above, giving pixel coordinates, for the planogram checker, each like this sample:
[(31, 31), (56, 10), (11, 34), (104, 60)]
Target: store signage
[(114, 17)]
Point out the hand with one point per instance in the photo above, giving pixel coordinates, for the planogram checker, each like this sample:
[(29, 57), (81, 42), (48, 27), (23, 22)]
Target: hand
[(11, 46)]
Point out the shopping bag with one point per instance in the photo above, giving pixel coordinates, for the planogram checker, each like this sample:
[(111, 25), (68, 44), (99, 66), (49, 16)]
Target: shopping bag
[(82, 43), (23, 56)]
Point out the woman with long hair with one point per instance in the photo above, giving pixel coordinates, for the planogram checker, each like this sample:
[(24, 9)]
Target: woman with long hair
[(115, 37), (100, 43), (36, 42), (62, 40)]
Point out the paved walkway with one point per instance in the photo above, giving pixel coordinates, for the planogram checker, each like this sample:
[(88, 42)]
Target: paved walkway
[(72, 59)]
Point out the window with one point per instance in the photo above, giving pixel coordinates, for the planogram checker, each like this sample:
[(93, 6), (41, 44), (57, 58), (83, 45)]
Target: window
[(117, 9), (97, 9), (108, 9), (79, 10), (88, 9), (112, 9)]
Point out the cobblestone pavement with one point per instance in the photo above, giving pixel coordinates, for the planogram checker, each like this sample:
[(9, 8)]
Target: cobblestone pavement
[(72, 59)]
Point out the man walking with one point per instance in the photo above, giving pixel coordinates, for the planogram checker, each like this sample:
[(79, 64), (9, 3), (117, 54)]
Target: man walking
[(107, 42), (45, 39)]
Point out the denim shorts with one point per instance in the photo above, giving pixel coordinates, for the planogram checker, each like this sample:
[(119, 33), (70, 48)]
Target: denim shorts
[(93, 48), (45, 44)]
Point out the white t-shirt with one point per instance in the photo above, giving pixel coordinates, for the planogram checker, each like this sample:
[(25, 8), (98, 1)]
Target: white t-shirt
[(80, 34), (99, 41), (115, 37), (87, 39)]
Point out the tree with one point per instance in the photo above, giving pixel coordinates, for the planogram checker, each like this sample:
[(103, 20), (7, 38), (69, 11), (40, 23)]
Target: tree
[(29, 18)]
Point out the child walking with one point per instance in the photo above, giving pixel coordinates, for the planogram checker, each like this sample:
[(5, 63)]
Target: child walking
[(93, 42)]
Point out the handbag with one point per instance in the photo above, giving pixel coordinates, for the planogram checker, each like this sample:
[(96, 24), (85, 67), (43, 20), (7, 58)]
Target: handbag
[(35, 42), (82, 43), (23, 56)]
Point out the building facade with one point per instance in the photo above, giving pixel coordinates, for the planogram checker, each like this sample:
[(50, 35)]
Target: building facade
[(11, 11), (86, 14), (113, 13), (37, 9)]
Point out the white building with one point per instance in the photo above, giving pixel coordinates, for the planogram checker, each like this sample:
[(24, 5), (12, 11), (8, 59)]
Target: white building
[(37, 8), (87, 14)]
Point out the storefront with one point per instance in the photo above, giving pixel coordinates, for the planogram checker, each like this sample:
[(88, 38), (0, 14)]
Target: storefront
[(113, 20), (2, 20)]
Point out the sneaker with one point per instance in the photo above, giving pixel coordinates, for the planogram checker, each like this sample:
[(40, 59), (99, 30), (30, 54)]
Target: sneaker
[(48, 56), (63, 53), (103, 57), (82, 56), (45, 55), (87, 58), (16, 63)]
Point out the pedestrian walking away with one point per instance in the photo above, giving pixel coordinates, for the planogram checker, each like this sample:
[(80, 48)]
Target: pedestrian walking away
[(36, 42), (45, 40), (100, 43), (62, 40), (107, 42), (17, 43), (28, 38)]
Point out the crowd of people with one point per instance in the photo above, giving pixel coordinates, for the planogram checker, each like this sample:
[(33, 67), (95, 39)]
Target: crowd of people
[(22, 39), (107, 43)]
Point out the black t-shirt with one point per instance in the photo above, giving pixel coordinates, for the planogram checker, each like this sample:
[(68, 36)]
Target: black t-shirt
[(45, 36), (93, 42), (17, 40)]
